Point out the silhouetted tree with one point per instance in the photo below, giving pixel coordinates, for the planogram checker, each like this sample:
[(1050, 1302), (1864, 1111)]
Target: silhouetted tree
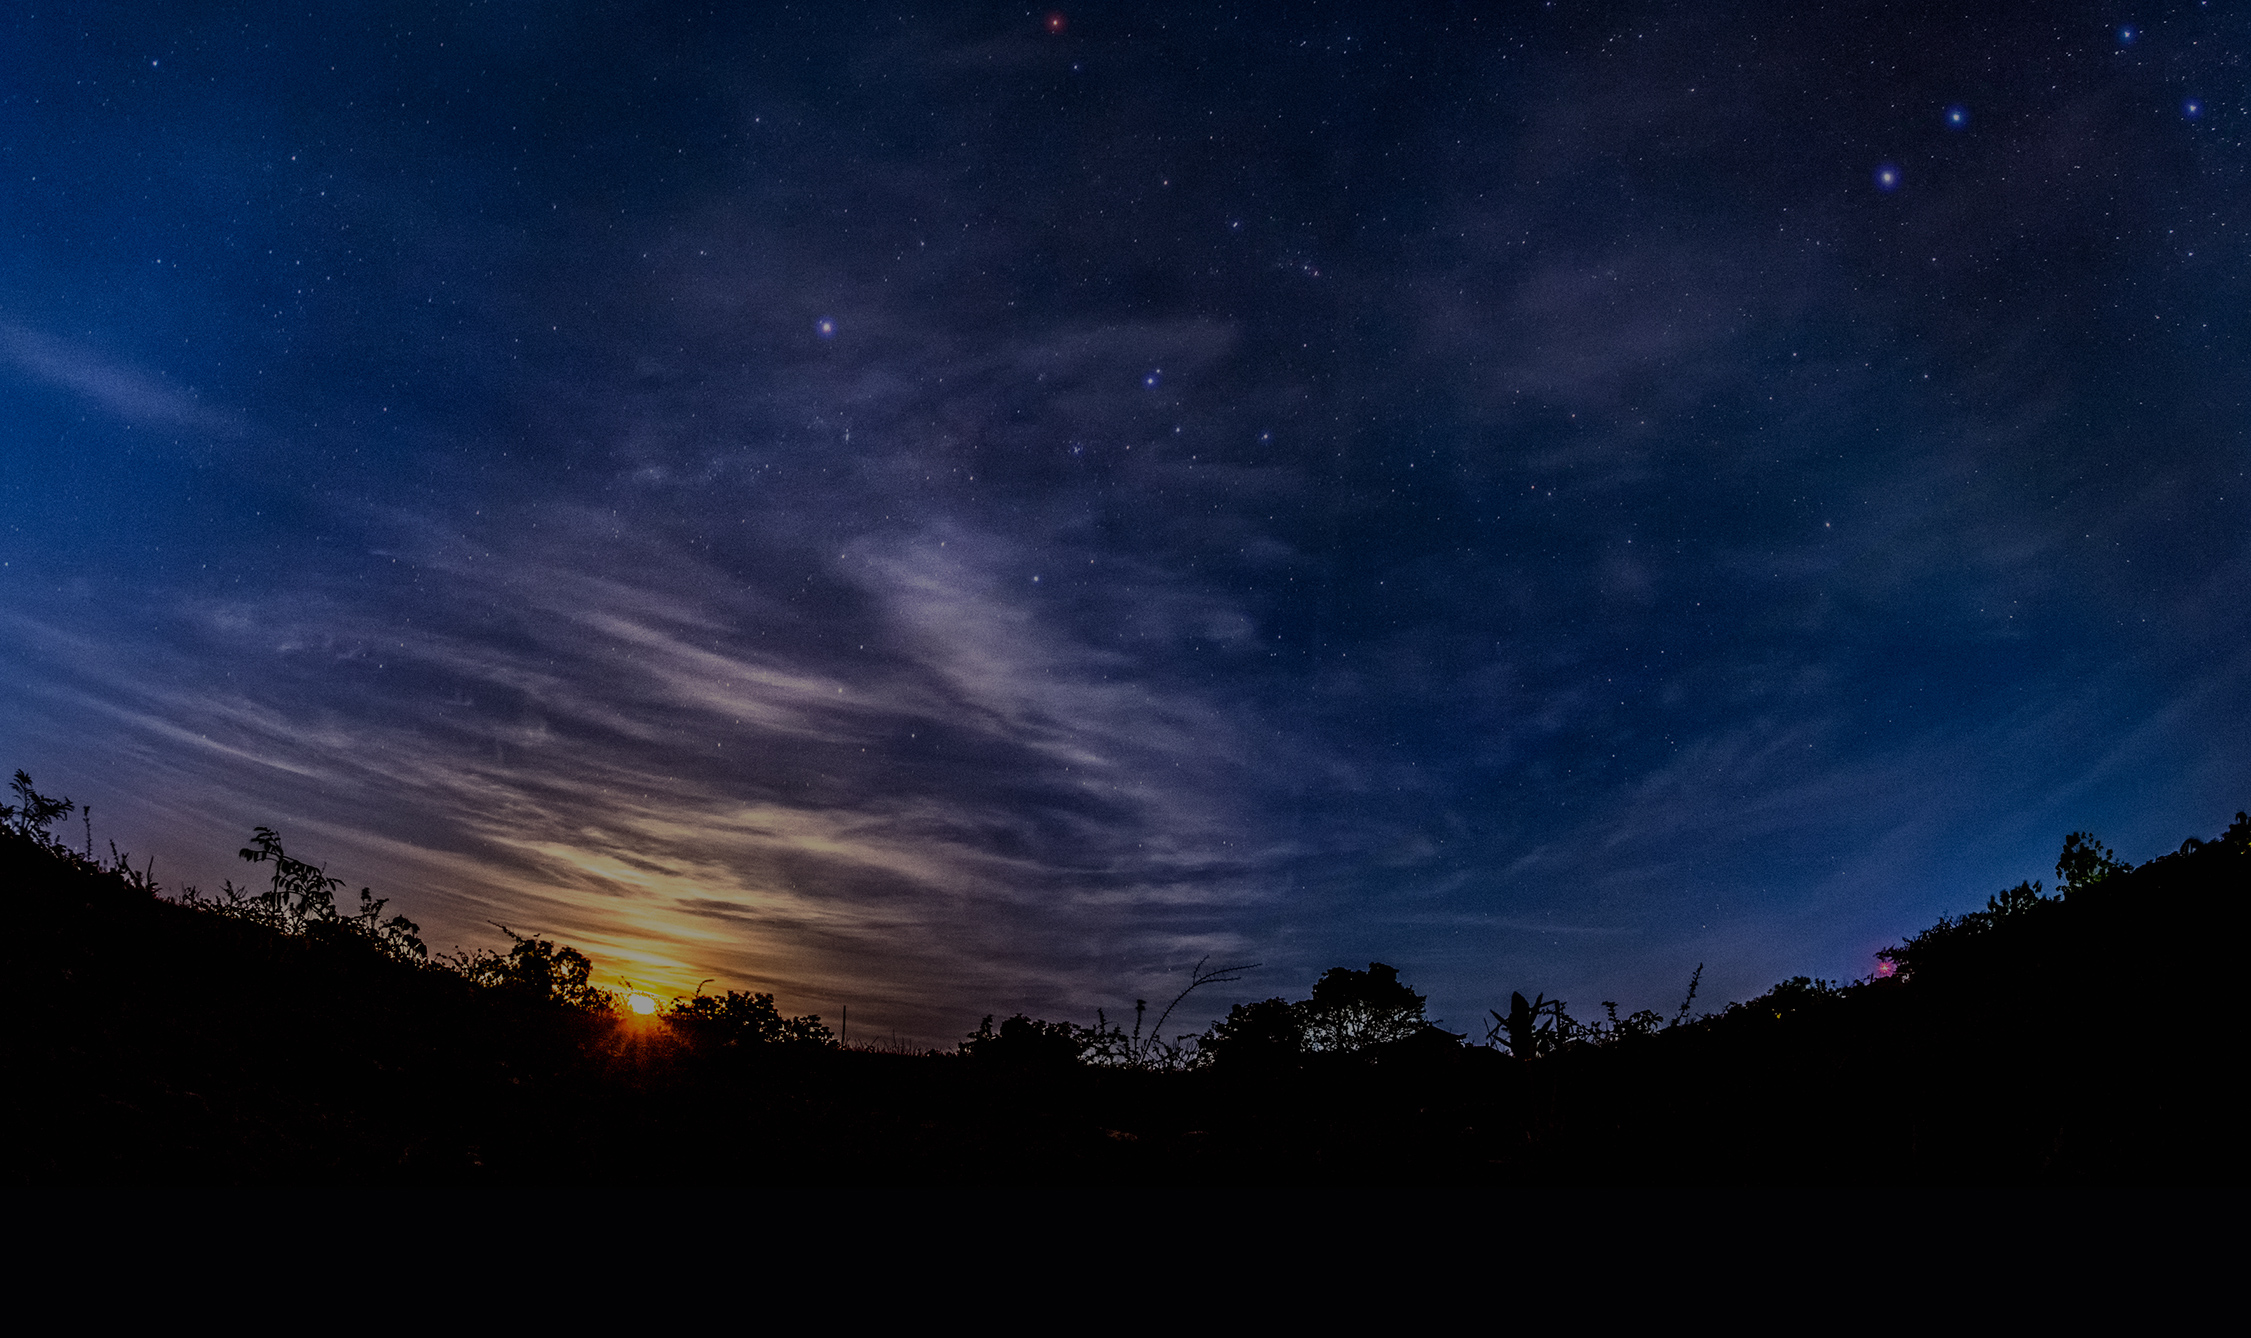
[(1265, 1035), (1353, 1010), (1350, 1012)]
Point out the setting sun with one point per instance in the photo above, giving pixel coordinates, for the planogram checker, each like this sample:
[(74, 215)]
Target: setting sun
[(640, 1003)]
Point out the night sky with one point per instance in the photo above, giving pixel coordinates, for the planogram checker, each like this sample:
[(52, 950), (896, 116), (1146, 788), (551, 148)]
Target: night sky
[(975, 509)]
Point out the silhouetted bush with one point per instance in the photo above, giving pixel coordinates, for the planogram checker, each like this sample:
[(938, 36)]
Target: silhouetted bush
[(2085, 862), (1797, 995), (739, 1018), (535, 968), (1024, 1043)]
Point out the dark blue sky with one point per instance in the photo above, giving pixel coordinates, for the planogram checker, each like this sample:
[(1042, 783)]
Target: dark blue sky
[(922, 511)]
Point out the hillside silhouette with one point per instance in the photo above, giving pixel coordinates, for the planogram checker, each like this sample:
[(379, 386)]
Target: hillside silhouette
[(271, 1034)]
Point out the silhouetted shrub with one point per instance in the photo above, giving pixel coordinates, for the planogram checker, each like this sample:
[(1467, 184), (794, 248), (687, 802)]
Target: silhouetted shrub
[(2085, 862), (536, 968), (1024, 1043), (741, 1018), (1946, 938), (1798, 994)]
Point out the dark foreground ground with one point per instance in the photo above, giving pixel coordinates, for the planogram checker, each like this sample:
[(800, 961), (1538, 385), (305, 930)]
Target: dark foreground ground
[(2090, 1039)]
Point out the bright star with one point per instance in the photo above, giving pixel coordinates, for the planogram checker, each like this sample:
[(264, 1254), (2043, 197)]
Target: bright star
[(1957, 116), (1153, 378), (825, 328), (2192, 109), (2127, 35), (1887, 177)]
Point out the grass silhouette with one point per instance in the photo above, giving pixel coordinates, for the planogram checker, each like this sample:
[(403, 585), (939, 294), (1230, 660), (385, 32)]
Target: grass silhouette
[(271, 1036)]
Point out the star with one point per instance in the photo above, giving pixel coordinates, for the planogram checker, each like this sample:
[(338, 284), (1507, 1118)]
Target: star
[(1055, 23), (825, 328), (1957, 116), (2126, 35), (1154, 378), (1887, 177), (2192, 109)]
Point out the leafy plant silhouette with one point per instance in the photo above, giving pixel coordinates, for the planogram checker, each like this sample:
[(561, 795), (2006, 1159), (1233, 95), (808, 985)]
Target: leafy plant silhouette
[(1542, 1026), (301, 898), (33, 813), (1530, 1027)]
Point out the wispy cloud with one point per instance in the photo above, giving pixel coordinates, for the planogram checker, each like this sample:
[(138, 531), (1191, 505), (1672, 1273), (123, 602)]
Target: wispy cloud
[(962, 799), (115, 388)]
